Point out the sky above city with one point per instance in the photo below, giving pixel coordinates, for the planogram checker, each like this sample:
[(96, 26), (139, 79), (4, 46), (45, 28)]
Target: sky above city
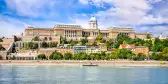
[(142, 15)]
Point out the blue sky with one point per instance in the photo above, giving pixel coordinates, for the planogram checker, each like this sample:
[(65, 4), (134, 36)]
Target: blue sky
[(142, 15)]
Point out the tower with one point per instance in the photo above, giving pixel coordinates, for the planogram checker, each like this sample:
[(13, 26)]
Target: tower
[(93, 23)]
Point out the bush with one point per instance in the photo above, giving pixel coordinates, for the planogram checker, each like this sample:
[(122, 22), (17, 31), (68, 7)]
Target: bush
[(53, 44), (56, 56), (13, 57), (41, 56), (2, 48), (1, 40), (32, 45), (67, 56), (44, 45)]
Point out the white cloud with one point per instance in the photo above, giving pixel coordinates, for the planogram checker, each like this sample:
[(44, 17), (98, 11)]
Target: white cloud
[(30, 8), (83, 1), (131, 12), (123, 13), (10, 26), (156, 30)]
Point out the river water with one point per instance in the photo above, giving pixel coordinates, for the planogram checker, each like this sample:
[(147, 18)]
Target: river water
[(82, 75)]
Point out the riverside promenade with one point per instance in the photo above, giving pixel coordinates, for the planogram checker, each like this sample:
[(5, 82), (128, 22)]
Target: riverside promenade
[(82, 62)]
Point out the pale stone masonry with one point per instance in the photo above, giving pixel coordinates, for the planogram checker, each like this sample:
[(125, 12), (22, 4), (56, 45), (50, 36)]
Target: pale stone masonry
[(76, 32)]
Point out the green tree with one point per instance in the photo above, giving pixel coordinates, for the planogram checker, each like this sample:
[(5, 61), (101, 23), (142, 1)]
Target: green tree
[(44, 45), (26, 46), (41, 56), (17, 38), (92, 56), (94, 44), (157, 45), (122, 37), (2, 48), (1, 40), (36, 38), (165, 51), (113, 55), (13, 58), (108, 44), (97, 56), (124, 53), (81, 56), (141, 56), (148, 36), (148, 44), (103, 55), (63, 40), (68, 56), (84, 41), (99, 37), (53, 44), (32, 45), (73, 43), (56, 56)]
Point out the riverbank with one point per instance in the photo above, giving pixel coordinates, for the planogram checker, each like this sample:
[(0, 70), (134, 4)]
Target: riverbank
[(82, 62)]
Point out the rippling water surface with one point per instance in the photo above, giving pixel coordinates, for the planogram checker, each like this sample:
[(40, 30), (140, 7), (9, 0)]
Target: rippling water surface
[(82, 75)]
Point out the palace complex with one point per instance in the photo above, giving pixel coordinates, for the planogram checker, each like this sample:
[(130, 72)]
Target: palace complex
[(76, 32), (70, 32)]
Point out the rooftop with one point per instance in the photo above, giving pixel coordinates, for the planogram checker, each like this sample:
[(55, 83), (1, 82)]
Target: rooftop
[(120, 28), (74, 26)]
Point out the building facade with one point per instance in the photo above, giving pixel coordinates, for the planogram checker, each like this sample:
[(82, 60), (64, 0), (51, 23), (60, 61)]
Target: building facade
[(76, 32), (135, 49), (79, 49)]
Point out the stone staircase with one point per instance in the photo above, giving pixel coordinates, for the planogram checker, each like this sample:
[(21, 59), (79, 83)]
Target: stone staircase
[(8, 44)]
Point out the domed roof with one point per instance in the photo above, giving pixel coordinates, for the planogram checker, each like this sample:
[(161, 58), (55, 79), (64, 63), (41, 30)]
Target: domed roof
[(93, 18)]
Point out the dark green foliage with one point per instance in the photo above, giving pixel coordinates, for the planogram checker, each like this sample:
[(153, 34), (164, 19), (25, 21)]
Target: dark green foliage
[(41, 56), (13, 57), (109, 44), (159, 45), (36, 38), (1, 40), (44, 45), (160, 56), (2, 48), (84, 41), (99, 37), (124, 53), (73, 42), (148, 36), (32, 45), (53, 44), (122, 37), (56, 56), (68, 56), (140, 56), (63, 40), (17, 38), (94, 44), (80, 56)]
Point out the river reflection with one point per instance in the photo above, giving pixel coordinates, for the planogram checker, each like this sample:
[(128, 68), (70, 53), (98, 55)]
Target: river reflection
[(82, 75)]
